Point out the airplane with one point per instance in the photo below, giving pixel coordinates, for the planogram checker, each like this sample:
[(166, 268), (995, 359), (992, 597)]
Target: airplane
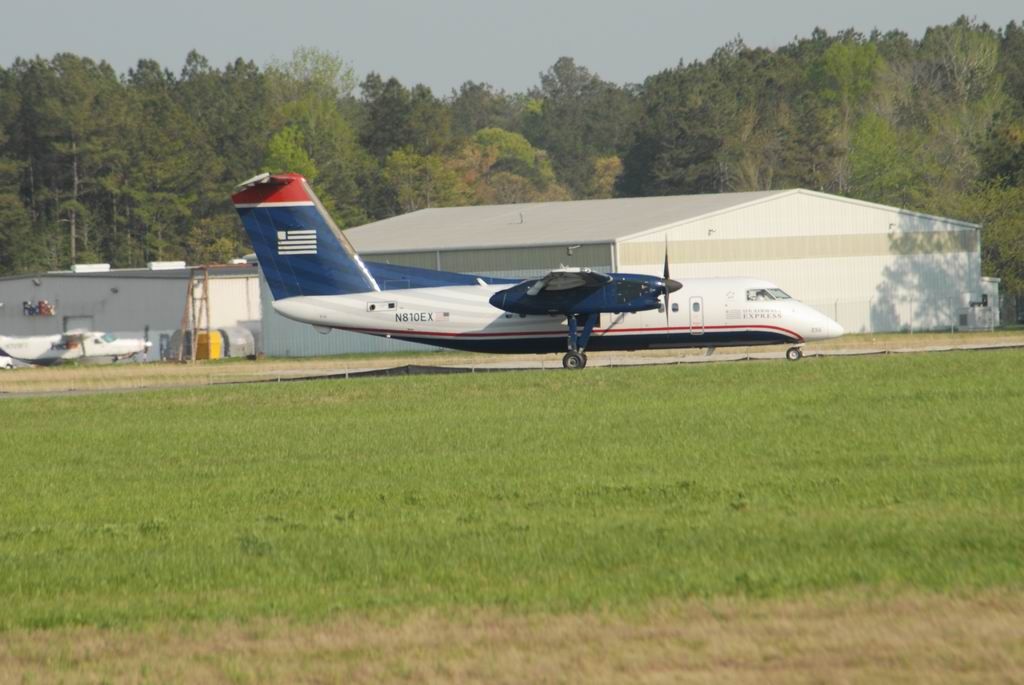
[(316, 277), (89, 347)]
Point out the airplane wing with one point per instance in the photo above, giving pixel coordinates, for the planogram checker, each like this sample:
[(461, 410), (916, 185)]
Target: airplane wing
[(568, 279)]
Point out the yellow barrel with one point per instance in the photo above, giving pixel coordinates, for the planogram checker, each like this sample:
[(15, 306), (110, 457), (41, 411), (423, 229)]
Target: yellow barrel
[(210, 345)]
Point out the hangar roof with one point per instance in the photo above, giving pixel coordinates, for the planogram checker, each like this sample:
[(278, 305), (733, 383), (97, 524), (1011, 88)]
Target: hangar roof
[(216, 271), (539, 223), (559, 223)]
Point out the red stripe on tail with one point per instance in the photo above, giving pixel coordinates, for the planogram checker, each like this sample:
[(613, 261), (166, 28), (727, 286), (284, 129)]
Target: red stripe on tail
[(277, 188)]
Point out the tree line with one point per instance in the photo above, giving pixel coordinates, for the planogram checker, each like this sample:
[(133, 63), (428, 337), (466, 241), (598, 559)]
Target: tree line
[(135, 167)]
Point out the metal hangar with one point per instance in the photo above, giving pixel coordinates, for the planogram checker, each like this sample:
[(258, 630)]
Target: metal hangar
[(144, 302)]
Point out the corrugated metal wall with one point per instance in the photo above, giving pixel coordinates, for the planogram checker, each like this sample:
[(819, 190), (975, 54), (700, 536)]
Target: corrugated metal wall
[(126, 306), (505, 260), (234, 300), (871, 268), (119, 305)]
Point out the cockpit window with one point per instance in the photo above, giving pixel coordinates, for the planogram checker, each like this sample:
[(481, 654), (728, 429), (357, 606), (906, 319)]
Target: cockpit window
[(763, 294), (758, 295), (108, 337)]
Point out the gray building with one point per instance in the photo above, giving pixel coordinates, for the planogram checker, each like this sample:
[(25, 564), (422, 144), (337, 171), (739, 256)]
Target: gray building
[(872, 268), (127, 302)]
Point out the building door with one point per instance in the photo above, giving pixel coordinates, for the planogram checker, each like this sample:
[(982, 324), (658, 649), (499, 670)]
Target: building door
[(77, 323), (696, 316)]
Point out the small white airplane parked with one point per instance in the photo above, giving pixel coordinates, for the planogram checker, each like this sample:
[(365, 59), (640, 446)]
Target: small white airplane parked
[(316, 277), (88, 347)]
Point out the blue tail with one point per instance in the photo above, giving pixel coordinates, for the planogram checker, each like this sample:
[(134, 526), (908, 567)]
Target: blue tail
[(299, 247)]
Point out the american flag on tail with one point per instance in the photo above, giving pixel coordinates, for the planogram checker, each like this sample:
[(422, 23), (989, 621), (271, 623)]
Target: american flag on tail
[(296, 241)]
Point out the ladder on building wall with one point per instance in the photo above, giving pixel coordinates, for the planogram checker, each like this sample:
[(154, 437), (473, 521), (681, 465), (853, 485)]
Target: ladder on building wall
[(196, 317)]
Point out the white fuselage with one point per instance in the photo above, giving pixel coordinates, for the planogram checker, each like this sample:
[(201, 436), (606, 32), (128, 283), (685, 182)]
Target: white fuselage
[(707, 312), (86, 346)]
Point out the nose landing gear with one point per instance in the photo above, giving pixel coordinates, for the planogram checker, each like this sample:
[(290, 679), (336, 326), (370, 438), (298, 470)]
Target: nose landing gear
[(794, 354)]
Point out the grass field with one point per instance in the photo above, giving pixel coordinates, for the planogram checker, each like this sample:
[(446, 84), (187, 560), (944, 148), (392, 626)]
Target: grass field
[(613, 492)]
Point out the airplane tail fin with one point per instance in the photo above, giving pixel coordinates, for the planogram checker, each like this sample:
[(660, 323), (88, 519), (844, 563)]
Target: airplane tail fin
[(299, 247)]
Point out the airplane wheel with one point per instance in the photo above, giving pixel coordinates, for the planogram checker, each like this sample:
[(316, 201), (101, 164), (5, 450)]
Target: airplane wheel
[(584, 355), (574, 360), (794, 354)]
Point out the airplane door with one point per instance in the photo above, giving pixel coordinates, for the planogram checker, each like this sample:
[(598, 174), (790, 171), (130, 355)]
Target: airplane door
[(696, 316)]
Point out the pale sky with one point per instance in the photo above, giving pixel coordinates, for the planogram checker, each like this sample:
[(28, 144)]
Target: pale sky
[(446, 42)]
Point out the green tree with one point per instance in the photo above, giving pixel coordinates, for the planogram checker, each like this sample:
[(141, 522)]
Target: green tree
[(883, 167), (1000, 211), (214, 240), (676, 141), (1011, 63), (478, 105), (1003, 154), (502, 167), (420, 181), (429, 122), (312, 95), (515, 154), (170, 169), (286, 151), (577, 117), (315, 72), (606, 172), (233, 107), (756, 95), (20, 252), (388, 110), (846, 76), (957, 96)]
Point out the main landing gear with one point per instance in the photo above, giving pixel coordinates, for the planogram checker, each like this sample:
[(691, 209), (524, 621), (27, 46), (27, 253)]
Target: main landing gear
[(794, 354), (575, 358)]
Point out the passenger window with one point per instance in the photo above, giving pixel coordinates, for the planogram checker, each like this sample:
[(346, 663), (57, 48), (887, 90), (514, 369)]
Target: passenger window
[(696, 306), (675, 306)]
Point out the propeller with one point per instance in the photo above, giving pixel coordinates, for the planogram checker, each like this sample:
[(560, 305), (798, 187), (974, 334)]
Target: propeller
[(670, 285)]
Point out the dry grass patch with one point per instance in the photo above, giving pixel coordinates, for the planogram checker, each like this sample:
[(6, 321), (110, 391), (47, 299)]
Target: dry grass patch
[(832, 639), (170, 374)]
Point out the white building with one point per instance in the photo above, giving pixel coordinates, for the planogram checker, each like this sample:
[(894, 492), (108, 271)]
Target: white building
[(870, 267), (137, 303)]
